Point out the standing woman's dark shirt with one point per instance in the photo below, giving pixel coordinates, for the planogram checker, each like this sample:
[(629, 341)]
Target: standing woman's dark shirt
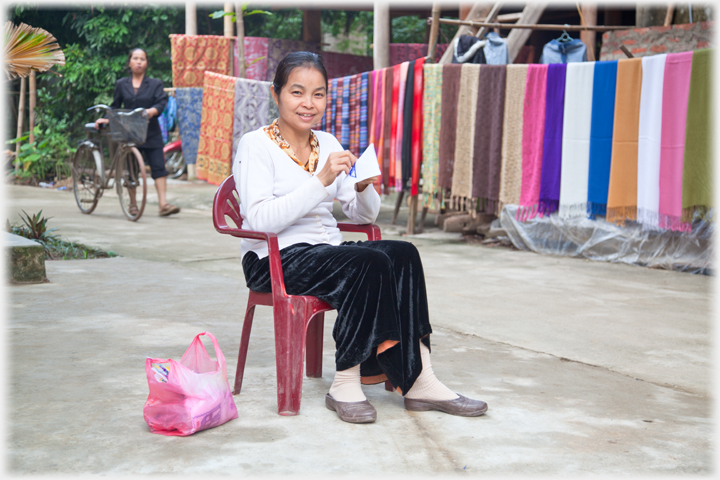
[(149, 95)]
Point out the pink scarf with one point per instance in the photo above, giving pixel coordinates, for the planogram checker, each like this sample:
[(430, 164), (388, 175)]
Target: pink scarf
[(532, 141), (676, 86), (399, 138)]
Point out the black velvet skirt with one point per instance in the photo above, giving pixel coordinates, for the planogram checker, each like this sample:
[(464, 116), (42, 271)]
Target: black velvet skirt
[(378, 290)]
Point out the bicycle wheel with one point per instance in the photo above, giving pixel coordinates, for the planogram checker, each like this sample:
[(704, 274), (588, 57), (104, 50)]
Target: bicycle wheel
[(87, 182), (175, 164), (131, 182)]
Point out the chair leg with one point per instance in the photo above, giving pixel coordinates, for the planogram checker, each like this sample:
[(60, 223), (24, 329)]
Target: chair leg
[(388, 386), (289, 347), (242, 354), (314, 346)]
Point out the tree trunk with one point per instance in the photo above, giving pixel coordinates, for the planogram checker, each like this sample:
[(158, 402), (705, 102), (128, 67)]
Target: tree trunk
[(21, 114), (33, 103), (190, 18), (240, 39)]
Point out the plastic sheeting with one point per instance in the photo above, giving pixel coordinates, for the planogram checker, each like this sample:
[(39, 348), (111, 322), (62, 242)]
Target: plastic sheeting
[(600, 240)]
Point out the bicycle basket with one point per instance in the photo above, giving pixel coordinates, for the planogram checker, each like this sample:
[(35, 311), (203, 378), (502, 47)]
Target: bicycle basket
[(128, 126)]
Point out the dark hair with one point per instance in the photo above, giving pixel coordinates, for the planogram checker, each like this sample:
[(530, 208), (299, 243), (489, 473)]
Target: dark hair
[(135, 50), (294, 60)]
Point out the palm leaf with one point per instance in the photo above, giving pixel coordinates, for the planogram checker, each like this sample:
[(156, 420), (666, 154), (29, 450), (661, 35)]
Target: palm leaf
[(28, 48)]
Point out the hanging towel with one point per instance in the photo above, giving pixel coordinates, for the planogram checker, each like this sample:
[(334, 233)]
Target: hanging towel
[(365, 107), (532, 140), (252, 108), (487, 142), (462, 180), (214, 156), (192, 55), (601, 130), (576, 140), (549, 199), (511, 166), (417, 127), (448, 128), (406, 144), (390, 119), (189, 111), (622, 190), (345, 117), (697, 160), (432, 119), (400, 125), (354, 143), (676, 86), (649, 134)]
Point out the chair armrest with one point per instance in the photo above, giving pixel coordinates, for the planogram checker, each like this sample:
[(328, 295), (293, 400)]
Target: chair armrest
[(371, 230)]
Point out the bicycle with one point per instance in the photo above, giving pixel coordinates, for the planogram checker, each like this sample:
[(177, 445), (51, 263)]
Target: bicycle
[(127, 170)]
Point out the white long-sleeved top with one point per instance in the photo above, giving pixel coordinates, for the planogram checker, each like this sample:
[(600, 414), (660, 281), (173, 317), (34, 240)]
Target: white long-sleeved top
[(277, 195)]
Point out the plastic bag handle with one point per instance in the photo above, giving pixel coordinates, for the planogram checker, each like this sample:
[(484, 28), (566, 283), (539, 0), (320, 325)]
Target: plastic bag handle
[(218, 352)]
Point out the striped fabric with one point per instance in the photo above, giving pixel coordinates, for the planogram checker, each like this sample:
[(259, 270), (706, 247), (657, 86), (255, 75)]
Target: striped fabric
[(337, 106), (364, 78), (432, 101), (345, 117), (354, 143)]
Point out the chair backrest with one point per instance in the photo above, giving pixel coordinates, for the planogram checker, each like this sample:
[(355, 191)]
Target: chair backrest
[(226, 203)]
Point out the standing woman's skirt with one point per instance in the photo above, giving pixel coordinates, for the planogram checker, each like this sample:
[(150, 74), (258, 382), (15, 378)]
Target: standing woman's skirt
[(378, 290)]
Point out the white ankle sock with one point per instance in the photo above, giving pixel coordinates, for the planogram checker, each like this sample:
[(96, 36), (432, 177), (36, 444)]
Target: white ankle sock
[(346, 386), (427, 386)]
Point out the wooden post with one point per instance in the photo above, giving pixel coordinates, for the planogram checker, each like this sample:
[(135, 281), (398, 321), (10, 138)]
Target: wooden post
[(412, 215), (190, 18), (33, 104), (589, 14), (240, 39), (398, 203), (312, 26), (381, 35), (21, 119), (434, 30), (669, 15), (227, 20)]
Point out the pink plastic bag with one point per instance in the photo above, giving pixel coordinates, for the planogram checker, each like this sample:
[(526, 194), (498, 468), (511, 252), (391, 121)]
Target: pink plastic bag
[(190, 395)]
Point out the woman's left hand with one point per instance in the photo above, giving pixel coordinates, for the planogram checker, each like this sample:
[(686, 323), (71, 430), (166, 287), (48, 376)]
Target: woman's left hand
[(362, 185), (151, 112)]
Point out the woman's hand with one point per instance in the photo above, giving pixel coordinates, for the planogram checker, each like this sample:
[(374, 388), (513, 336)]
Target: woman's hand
[(100, 121), (362, 185), (151, 112), (337, 162)]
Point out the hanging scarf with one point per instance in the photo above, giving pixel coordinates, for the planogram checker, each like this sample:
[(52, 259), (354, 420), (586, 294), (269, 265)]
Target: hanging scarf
[(328, 115), (273, 132), (549, 198), (417, 127), (622, 190), (365, 107), (649, 134), (432, 119), (394, 122), (189, 111), (576, 139), (464, 138), (532, 140), (345, 117), (676, 86), (338, 104), (400, 125), (354, 144), (214, 157), (601, 130), (193, 55), (448, 128), (487, 142), (406, 143), (252, 108), (511, 162), (390, 93), (697, 160)]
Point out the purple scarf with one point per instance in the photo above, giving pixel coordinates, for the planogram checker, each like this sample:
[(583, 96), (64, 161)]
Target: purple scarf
[(552, 141)]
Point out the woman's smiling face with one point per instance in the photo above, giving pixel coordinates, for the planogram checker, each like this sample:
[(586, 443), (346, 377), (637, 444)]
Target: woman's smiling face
[(302, 99)]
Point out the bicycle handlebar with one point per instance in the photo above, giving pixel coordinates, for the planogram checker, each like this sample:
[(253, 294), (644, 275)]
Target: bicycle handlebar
[(97, 108)]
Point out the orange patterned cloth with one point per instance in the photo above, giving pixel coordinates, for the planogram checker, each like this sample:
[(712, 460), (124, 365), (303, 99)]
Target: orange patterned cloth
[(273, 131), (192, 55), (214, 156)]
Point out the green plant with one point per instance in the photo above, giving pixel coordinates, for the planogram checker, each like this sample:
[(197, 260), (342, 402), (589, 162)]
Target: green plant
[(35, 229), (48, 157)]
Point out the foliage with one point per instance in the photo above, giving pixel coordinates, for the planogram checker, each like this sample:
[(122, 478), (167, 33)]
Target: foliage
[(48, 157), (28, 49), (233, 15), (35, 228)]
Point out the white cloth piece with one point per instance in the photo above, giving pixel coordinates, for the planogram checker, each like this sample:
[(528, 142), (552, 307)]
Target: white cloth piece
[(346, 386), (649, 135), (277, 195), (577, 113), (427, 386)]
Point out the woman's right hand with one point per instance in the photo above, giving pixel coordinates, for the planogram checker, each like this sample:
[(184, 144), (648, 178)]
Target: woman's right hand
[(99, 122), (337, 162)]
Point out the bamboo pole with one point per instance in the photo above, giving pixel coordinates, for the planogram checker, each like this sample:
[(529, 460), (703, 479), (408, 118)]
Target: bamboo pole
[(434, 29), (569, 28), (21, 119), (669, 15), (33, 103), (240, 39), (228, 30), (190, 18), (381, 35)]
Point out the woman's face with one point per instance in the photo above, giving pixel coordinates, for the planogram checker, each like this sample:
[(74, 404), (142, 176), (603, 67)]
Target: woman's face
[(302, 99), (138, 62)]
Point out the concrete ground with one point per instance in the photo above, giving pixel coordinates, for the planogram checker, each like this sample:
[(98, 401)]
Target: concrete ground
[(588, 368)]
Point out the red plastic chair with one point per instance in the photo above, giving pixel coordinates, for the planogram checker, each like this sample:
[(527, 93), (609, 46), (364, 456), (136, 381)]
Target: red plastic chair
[(299, 320)]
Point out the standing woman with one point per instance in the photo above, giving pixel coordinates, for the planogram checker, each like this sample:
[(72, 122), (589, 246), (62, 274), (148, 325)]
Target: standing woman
[(287, 176), (140, 91)]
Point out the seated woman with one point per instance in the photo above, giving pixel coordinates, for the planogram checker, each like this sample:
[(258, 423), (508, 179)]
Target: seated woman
[(287, 176)]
